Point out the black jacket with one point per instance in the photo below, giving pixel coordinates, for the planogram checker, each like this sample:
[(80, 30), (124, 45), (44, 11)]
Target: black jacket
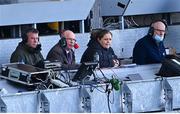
[(106, 56), (27, 55), (147, 51)]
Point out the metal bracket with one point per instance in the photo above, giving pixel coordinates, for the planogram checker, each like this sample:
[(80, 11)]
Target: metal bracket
[(85, 100), (44, 105), (166, 95), (126, 97), (3, 107)]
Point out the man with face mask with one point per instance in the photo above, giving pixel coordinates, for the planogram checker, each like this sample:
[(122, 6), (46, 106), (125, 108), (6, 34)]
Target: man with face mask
[(150, 49)]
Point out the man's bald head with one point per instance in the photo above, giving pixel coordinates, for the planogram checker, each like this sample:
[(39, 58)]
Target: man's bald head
[(159, 24), (159, 28), (68, 34), (70, 38)]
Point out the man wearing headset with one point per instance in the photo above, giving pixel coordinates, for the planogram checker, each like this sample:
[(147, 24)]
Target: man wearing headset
[(63, 50), (150, 49), (28, 50)]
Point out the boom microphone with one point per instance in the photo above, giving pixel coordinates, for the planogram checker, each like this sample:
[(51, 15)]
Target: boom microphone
[(76, 46)]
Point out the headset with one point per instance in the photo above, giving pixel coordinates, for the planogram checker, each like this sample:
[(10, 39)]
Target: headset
[(25, 36), (151, 29), (63, 42)]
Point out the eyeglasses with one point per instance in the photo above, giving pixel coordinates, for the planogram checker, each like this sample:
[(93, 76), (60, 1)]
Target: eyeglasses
[(160, 30), (71, 39)]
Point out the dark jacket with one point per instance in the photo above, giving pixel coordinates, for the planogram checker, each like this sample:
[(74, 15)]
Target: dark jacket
[(58, 53), (106, 56), (26, 54), (147, 51)]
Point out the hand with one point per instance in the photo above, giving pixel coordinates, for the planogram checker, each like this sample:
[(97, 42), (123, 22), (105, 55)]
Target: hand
[(116, 62)]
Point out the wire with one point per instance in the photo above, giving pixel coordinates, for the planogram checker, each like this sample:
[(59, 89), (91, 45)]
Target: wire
[(103, 74), (61, 75), (112, 102), (67, 76), (41, 86), (41, 80), (108, 101), (99, 89), (116, 76), (84, 79), (50, 85), (134, 21), (111, 23)]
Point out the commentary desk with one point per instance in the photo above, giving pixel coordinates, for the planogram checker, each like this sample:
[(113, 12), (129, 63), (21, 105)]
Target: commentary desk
[(147, 94)]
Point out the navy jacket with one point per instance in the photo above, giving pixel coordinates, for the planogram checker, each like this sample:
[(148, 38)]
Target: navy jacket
[(106, 56), (147, 51)]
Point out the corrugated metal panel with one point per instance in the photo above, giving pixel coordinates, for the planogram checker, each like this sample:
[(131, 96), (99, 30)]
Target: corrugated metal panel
[(139, 7), (39, 12)]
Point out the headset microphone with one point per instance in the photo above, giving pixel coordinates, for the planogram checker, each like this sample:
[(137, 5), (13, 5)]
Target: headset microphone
[(76, 46)]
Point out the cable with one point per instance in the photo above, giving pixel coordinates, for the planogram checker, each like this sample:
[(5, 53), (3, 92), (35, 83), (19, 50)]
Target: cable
[(61, 75), (41, 86), (110, 23), (112, 102), (99, 89), (50, 85), (103, 74), (134, 21), (41, 80), (67, 79), (116, 76), (108, 101)]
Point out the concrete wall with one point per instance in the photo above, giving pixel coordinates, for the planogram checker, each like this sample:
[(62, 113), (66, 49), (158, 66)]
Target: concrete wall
[(123, 42)]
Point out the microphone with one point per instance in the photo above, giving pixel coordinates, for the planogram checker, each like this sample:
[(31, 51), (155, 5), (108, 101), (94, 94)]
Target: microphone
[(76, 46)]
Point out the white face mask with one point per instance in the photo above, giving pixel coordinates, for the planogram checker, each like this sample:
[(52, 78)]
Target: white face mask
[(158, 38)]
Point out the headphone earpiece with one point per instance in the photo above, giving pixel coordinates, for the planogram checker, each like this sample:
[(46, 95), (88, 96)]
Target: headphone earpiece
[(24, 38), (151, 31), (63, 42)]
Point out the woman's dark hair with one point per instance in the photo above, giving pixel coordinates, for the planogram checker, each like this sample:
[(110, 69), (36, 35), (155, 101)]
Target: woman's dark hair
[(102, 32), (95, 32)]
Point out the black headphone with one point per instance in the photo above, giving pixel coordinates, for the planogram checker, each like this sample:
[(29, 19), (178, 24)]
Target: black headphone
[(63, 42), (151, 29), (25, 36)]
